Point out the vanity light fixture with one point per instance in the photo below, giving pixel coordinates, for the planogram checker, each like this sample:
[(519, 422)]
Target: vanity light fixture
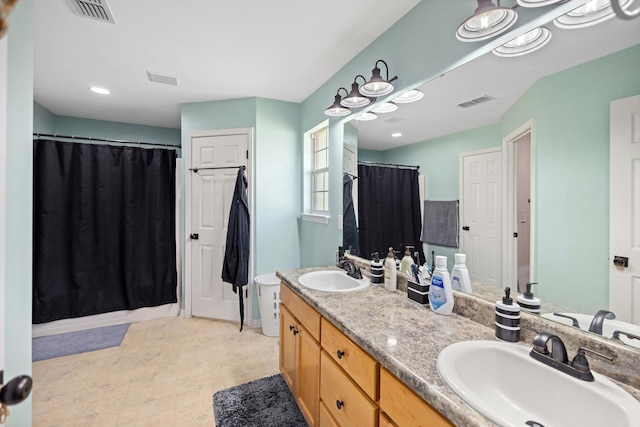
[(355, 99), (411, 95), (385, 107), (487, 21), (365, 116), (336, 109), (99, 90), (377, 86), (525, 43), (591, 13)]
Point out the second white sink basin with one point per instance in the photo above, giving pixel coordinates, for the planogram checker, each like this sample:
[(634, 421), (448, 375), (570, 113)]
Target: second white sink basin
[(332, 281), (501, 381)]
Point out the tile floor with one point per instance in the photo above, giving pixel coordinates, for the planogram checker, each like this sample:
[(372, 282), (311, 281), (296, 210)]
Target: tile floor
[(164, 373)]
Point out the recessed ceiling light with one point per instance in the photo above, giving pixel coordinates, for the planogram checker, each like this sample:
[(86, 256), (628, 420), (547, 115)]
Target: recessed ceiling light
[(396, 134), (99, 90)]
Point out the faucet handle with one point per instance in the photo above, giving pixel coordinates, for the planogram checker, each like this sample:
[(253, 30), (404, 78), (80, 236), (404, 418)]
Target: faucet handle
[(580, 361), (616, 335)]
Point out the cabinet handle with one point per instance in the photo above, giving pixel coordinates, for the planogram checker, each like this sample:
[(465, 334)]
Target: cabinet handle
[(339, 404), (295, 332), (291, 327), (340, 353)]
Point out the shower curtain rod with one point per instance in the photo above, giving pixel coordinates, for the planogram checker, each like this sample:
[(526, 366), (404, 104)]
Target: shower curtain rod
[(117, 141), (388, 165), (244, 168)]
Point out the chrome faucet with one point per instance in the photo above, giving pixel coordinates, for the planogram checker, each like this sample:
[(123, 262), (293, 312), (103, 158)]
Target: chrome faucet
[(350, 268), (557, 357), (598, 321)]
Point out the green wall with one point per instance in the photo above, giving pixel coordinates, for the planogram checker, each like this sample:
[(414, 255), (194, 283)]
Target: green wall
[(19, 182), (275, 169), (417, 48), (570, 114), (46, 122)]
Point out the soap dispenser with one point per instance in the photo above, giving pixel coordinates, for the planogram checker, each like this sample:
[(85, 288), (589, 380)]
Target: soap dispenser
[(507, 318), (460, 279), (377, 270), (390, 272), (407, 261), (528, 302)]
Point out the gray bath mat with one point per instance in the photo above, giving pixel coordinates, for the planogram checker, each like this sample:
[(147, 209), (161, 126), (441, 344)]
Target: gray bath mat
[(266, 402), (78, 342)]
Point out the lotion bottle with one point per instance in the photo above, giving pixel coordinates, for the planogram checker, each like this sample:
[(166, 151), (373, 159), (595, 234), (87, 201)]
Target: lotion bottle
[(460, 280), (407, 262), (440, 293), (390, 272)]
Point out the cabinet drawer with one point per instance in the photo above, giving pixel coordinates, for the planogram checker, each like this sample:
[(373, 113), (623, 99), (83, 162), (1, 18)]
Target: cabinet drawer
[(326, 420), (343, 399), (306, 314), (355, 361), (405, 407)]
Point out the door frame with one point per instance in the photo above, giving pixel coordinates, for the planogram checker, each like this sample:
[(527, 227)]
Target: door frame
[(187, 217), (509, 212)]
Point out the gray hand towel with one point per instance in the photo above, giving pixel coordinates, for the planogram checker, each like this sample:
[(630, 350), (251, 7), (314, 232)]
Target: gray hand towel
[(440, 224)]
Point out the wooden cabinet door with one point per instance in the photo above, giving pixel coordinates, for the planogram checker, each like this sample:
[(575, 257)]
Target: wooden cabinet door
[(288, 351), (308, 375)]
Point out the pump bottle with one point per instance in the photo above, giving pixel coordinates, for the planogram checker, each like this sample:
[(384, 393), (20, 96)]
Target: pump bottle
[(390, 272), (440, 293)]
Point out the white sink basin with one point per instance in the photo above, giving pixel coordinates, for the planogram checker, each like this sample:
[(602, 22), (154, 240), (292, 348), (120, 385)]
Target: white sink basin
[(609, 326), (332, 281), (501, 381)]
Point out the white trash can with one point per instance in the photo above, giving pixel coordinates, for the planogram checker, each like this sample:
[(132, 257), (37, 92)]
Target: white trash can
[(269, 294)]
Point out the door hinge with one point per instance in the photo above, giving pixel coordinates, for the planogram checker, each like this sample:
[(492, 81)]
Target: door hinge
[(515, 234), (194, 236), (466, 228), (247, 154)]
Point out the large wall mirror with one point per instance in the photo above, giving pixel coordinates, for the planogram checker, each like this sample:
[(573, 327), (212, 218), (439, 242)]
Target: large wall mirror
[(551, 109)]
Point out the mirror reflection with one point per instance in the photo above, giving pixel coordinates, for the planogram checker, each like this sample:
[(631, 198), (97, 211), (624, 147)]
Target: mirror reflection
[(524, 144)]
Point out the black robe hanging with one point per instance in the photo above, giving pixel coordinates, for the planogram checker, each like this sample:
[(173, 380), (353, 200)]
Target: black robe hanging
[(235, 268)]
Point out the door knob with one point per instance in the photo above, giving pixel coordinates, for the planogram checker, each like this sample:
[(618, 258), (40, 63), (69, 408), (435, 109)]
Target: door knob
[(16, 390)]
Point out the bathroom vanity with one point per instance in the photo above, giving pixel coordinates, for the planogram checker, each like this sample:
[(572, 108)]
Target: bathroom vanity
[(370, 356)]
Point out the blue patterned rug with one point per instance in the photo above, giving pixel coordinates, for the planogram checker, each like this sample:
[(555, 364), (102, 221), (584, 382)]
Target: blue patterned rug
[(78, 342), (266, 402)]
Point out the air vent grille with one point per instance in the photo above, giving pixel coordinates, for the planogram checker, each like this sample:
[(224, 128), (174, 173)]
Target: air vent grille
[(93, 9), (159, 78), (477, 101)]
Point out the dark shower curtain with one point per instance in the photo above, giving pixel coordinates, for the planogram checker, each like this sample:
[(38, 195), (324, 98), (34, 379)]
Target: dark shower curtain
[(388, 210), (103, 229)]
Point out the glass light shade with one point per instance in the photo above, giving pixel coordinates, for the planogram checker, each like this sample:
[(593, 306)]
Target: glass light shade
[(488, 21), (354, 99), (99, 90), (591, 13), (375, 88), (366, 116), (385, 107), (526, 43), (337, 110), (538, 3), (412, 95)]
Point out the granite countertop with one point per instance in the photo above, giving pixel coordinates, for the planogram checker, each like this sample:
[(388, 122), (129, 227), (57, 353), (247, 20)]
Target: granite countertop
[(402, 335)]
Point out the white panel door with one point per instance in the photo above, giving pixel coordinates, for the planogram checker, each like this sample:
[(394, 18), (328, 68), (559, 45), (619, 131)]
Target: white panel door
[(3, 190), (217, 159), (481, 215), (624, 210), (350, 165)]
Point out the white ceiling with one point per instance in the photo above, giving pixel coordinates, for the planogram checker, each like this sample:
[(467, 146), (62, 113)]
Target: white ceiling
[(218, 49), (281, 49), (505, 79)]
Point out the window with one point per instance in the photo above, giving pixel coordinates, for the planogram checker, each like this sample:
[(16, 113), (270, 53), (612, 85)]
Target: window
[(320, 171)]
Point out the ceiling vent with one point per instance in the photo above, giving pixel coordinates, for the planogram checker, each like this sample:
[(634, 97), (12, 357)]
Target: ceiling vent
[(477, 101), (393, 120), (159, 78), (93, 9)]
